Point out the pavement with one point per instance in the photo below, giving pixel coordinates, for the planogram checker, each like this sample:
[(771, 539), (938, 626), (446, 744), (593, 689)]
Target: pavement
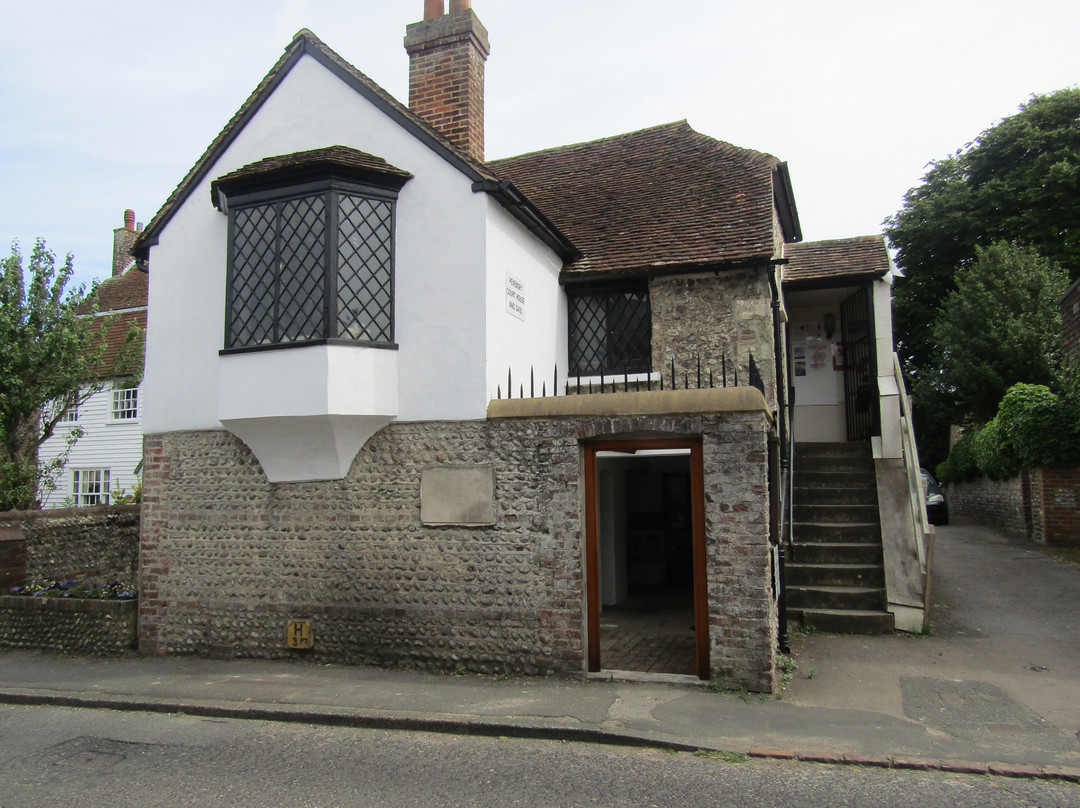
[(994, 688)]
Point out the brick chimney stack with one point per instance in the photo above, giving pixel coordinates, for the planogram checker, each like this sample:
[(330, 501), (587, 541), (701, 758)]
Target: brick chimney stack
[(446, 72), (123, 240)]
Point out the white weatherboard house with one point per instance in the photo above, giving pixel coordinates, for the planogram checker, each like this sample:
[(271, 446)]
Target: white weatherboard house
[(107, 456), (408, 407)]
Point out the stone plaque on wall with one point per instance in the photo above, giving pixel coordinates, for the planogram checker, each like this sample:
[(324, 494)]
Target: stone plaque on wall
[(457, 495)]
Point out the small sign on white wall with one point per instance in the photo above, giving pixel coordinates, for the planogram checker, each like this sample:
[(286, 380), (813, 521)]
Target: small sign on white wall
[(515, 297)]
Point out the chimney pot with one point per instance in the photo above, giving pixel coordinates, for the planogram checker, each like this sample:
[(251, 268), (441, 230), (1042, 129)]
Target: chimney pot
[(129, 219), (433, 9), (460, 5)]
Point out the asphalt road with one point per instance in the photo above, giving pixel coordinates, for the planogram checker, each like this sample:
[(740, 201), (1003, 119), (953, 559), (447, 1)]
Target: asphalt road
[(62, 756)]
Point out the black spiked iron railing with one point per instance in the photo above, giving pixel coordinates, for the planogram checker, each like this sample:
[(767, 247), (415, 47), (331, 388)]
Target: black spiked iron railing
[(670, 378)]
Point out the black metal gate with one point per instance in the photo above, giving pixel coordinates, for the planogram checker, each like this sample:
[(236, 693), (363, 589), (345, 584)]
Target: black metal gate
[(860, 366)]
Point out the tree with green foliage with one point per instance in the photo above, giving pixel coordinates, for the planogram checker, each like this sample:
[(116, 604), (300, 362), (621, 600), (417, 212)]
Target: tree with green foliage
[(52, 361), (1019, 181), (1000, 326)]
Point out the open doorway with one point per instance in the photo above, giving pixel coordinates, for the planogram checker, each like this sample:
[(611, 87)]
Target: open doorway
[(646, 556)]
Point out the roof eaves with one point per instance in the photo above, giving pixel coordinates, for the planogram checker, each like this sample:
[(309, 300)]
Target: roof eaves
[(534, 220), (832, 281), (785, 203), (662, 269)]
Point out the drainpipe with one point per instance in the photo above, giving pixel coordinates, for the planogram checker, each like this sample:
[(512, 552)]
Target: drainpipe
[(782, 461)]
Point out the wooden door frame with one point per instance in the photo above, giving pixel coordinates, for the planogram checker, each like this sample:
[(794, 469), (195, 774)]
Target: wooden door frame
[(592, 541)]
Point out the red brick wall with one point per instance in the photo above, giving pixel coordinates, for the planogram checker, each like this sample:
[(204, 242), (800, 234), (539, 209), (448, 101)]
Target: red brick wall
[(1055, 506), (1041, 504), (446, 77), (152, 564), (13, 566), (1070, 321)]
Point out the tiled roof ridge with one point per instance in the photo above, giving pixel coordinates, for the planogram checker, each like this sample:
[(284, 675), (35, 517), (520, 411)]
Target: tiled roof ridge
[(877, 237), (681, 127)]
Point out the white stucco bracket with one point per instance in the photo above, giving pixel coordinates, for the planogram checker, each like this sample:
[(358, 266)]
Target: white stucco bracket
[(306, 411), (305, 448)]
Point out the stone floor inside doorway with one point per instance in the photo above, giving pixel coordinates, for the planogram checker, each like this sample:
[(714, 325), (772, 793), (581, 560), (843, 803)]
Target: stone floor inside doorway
[(651, 633)]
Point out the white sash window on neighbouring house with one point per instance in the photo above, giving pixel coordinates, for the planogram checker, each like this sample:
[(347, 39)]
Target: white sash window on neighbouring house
[(90, 486)]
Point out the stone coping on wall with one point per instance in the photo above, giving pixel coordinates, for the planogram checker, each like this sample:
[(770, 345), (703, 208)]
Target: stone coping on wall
[(9, 517), (655, 402)]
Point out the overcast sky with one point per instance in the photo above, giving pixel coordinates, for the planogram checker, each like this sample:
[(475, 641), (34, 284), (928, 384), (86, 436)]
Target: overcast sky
[(106, 105)]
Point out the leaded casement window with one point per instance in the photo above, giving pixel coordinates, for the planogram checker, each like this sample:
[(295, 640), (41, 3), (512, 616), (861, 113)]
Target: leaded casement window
[(124, 405), (311, 250), (610, 330), (90, 486)]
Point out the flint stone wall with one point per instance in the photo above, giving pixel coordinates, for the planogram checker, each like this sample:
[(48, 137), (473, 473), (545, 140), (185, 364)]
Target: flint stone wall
[(736, 304), (98, 544), (228, 559), (70, 626)]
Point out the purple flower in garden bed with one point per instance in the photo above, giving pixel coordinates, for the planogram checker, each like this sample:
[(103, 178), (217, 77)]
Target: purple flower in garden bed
[(76, 589)]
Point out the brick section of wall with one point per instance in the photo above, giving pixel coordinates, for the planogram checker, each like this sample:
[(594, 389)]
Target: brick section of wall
[(1055, 506), (228, 559), (1001, 503), (446, 77), (99, 544), (1070, 322), (1040, 504), (735, 304), (70, 626), (12, 557)]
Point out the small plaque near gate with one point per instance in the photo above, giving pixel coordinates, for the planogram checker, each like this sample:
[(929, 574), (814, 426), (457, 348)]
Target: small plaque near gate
[(299, 634)]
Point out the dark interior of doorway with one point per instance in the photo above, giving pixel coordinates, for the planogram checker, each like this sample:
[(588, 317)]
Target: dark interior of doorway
[(646, 563)]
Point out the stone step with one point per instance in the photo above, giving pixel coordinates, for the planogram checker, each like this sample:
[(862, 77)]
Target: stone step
[(835, 553), (835, 496), (835, 465), (802, 574), (857, 598), (843, 622), (834, 479), (835, 514), (844, 533), (844, 449)]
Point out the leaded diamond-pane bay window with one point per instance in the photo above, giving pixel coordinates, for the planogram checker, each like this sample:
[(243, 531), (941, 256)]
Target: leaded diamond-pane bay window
[(311, 250), (610, 331)]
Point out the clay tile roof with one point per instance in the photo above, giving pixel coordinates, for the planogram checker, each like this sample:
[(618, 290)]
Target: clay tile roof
[(300, 164), (127, 291), (846, 259), (123, 300), (664, 197), (116, 334)]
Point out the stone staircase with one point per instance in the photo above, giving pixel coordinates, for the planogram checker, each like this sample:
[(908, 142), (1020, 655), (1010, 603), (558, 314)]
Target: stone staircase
[(835, 571)]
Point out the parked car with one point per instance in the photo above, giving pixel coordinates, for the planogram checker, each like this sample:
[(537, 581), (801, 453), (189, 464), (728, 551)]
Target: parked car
[(937, 509)]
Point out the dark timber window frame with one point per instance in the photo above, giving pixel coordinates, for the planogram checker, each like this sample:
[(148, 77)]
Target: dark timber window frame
[(609, 329), (311, 255)]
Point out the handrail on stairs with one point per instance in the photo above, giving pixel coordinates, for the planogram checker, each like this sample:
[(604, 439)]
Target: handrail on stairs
[(924, 532)]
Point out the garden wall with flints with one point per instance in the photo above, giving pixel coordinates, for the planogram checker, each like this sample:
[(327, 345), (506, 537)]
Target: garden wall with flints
[(228, 559), (1040, 504), (68, 625), (98, 544)]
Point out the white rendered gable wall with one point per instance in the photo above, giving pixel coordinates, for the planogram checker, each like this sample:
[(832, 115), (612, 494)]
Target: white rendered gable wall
[(526, 308), (453, 250)]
